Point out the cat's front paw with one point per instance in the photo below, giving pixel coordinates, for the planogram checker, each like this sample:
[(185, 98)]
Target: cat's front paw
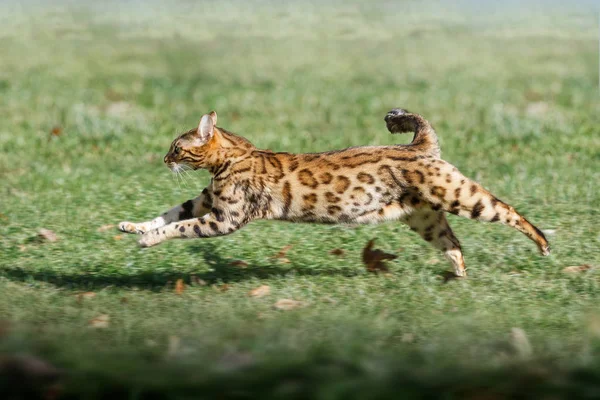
[(131, 227), (149, 239)]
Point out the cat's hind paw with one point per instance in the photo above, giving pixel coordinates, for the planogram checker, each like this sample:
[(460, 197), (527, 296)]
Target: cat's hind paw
[(130, 227)]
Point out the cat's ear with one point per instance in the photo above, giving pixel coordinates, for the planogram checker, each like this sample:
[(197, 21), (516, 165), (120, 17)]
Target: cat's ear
[(207, 126), (213, 116)]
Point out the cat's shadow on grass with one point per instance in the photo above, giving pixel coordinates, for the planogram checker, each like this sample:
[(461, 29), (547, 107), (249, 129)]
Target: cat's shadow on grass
[(222, 270)]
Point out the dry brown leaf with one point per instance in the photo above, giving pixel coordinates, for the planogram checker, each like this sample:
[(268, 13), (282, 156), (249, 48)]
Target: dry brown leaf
[(179, 286), (283, 252), (224, 287), (197, 281), (284, 260), (48, 235), (85, 295), (374, 258), (520, 342), (124, 300), (574, 269), (239, 264), (105, 228), (260, 291), (101, 321), (118, 237), (337, 252), (287, 304), (56, 131), (3, 217), (22, 248)]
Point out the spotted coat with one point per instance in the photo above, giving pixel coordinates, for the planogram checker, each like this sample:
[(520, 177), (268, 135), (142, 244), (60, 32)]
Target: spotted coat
[(368, 184)]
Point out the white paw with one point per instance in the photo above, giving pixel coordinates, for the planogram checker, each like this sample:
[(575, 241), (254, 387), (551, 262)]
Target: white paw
[(130, 227), (545, 250)]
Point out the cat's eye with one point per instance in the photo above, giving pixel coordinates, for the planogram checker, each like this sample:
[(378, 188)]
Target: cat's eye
[(177, 149)]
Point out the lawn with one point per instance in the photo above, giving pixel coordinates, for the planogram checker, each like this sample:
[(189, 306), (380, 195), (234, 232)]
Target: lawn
[(91, 97)]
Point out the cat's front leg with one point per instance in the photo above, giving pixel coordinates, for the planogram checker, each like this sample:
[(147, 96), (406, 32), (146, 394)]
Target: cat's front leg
[(191, 208), (211, 225)]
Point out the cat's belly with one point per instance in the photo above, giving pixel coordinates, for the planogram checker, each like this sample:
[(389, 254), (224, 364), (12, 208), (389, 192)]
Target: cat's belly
[(363, 208)]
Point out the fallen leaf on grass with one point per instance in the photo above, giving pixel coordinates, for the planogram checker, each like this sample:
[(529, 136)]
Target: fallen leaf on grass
[(3, 217), (239, 264), (85, 295), (55, 131), (520, 342), (222, 288), (287, 304), (179, 286), (574, 269), (260, 291), (282, 253), (118, 237), (374, 258), (100, 322), (105, 228), (197, 281), (48, 235), (337, 252)]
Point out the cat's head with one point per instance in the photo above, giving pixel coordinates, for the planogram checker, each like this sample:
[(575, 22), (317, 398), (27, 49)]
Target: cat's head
[(194, 148)]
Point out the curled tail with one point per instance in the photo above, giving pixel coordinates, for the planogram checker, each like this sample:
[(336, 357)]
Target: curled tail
[(425, 139)]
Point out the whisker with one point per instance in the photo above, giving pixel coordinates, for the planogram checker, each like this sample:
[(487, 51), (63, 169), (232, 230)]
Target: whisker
[(184, 180)]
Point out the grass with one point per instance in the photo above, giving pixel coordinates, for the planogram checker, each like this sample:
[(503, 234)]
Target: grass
[(515, 103)]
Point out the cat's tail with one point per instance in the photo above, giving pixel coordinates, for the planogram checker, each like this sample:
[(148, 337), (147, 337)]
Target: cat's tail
[(425, 139)]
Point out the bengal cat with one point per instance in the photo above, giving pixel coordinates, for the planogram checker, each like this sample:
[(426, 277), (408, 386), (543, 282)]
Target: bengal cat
[(369, 184)]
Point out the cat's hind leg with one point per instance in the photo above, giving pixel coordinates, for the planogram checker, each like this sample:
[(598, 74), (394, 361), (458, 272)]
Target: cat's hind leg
[(450, 191), (433, 228), (196, 207)]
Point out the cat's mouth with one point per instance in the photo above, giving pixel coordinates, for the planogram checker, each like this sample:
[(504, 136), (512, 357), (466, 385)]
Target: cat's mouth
[(175, 167)]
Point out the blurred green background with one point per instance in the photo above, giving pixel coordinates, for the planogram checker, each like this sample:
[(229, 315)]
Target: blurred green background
[(91, 96)]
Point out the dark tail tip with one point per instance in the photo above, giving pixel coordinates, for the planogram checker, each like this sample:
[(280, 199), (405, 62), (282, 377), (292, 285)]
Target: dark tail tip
[(396, 112), (396, 121)]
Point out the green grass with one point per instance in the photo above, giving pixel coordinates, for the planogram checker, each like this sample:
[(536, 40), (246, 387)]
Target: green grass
[(515, 103)]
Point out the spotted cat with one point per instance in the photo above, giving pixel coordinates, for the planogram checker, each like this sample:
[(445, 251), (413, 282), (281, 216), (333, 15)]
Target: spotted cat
[(369, 184)]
